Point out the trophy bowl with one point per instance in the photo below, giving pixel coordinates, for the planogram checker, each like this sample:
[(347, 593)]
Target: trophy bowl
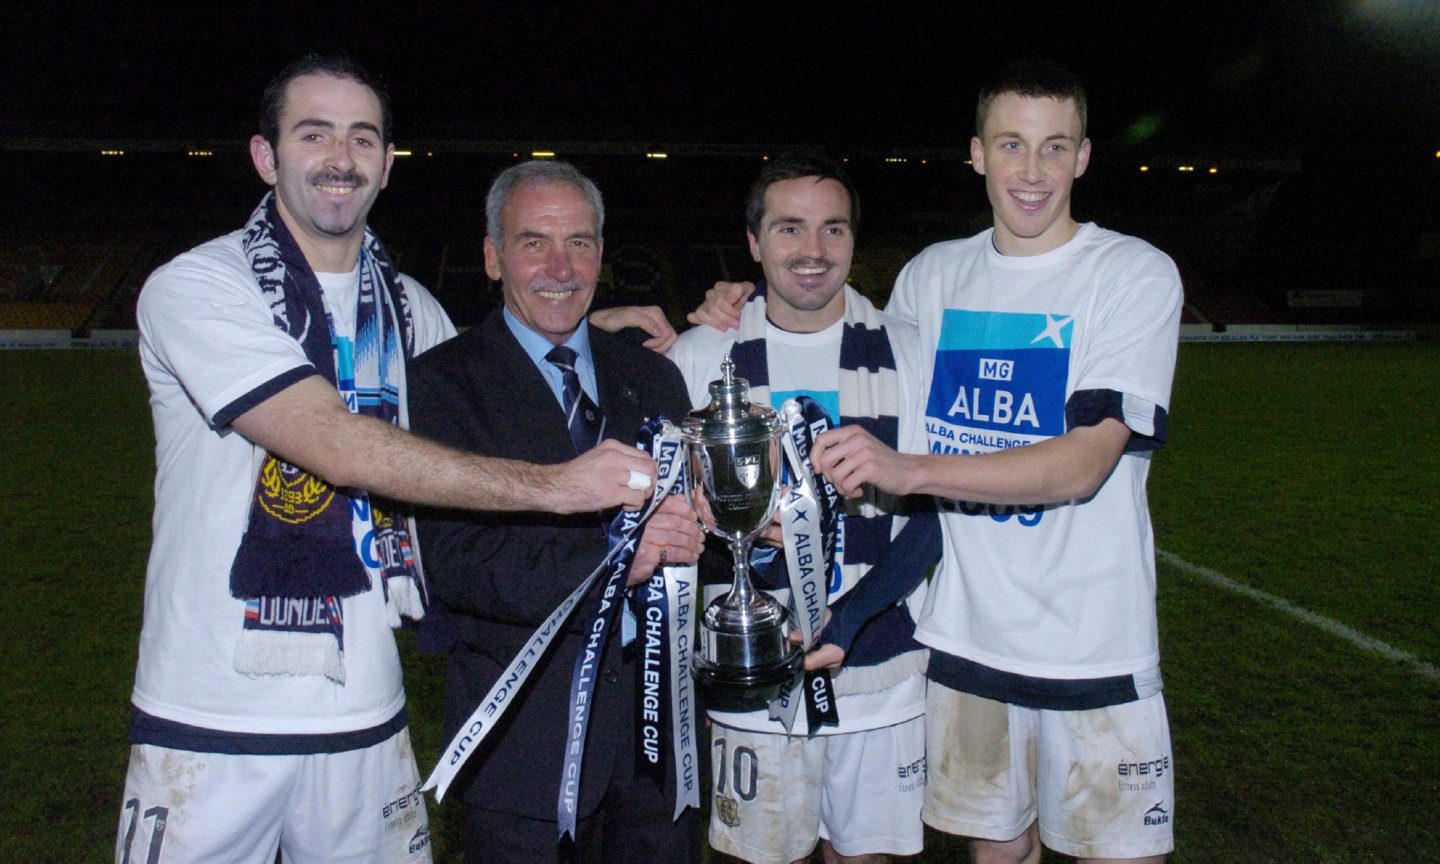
[(745, 657)]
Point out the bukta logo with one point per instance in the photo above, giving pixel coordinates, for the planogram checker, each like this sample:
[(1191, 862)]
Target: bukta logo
[(1157, 815), (292, 494)]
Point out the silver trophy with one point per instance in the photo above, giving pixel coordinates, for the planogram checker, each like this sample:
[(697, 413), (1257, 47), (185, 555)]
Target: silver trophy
[(745, 655)]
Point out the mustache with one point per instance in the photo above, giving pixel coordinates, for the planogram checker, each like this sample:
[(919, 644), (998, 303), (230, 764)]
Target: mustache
[(544, 283), (806, 261), (330, 177)]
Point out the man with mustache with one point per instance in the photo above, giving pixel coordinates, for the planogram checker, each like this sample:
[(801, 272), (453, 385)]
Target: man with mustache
[(1050, 348), (536, 382), (856, 787), (269, 712)]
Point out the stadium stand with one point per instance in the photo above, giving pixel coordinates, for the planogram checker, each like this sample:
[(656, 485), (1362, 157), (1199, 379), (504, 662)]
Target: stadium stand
[(63, 282), (1247, 241)]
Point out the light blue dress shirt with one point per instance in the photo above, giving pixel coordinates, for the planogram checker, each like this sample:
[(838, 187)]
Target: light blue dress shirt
[(536, 347)]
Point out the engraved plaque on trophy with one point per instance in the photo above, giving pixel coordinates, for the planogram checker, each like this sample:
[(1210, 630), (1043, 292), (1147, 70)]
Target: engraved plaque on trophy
[(745, 655)]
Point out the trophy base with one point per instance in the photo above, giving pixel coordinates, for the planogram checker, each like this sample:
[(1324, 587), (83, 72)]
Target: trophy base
[(733, 688)]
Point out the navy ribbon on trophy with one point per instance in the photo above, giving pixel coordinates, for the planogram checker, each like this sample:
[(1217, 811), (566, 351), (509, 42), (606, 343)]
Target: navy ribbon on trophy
[(623, 534), (666, 708), (652, 721)]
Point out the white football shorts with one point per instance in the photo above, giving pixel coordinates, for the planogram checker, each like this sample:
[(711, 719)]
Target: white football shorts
[(355, 807), (773, 796), (1101, 782)]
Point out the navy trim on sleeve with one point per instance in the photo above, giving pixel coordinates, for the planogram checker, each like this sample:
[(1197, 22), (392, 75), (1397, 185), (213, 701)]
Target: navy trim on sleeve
[(1143, 443), (1089, 407), (149, 729), (1049, 694), (225, 416), (910, 556)]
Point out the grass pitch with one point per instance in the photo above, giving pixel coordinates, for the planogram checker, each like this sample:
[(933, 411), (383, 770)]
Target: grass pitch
[(1305, 471)]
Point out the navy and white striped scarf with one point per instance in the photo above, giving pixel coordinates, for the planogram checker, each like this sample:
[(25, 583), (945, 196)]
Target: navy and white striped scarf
[(297, 557), (869, 397)]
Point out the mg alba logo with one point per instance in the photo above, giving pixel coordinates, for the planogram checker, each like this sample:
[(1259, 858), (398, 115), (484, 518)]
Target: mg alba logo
[(996, 370)]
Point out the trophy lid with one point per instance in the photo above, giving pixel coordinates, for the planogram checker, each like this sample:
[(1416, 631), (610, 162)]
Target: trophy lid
[(730, 416)]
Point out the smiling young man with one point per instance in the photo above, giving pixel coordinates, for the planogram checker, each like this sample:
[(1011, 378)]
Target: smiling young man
[(268, 707), (1052, 347), (536, 382), (856, 787)]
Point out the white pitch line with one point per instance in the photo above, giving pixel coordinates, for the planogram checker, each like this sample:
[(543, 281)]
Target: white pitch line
[(1329, 625)]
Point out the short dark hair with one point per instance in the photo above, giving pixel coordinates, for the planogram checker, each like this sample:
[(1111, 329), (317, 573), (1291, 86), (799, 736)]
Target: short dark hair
[(1036, 79), (334, 65), (792, 166)]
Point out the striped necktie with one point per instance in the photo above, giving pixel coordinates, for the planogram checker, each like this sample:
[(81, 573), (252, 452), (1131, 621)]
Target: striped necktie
[(582, 415)]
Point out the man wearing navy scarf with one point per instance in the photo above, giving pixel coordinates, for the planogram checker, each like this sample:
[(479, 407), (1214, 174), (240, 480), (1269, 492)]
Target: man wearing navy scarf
[(1049, 350), (856, 786), (269, 712)]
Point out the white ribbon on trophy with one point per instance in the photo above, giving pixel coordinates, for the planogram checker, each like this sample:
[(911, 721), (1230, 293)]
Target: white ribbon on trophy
[(503, 693)]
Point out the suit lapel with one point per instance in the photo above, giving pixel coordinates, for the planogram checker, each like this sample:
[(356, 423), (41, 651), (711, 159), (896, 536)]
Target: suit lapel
[(531, 412), (619, 390)]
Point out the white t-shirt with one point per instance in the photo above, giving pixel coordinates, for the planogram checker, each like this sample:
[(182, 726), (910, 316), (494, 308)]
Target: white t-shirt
[(1065, 591), (809, 364), (207, 339)]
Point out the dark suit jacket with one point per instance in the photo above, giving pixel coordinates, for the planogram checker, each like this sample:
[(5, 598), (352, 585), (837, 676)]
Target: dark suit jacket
[(503, 573)]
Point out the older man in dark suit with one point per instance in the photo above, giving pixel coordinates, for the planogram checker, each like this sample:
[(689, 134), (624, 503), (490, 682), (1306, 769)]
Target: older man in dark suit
[(535, 382)]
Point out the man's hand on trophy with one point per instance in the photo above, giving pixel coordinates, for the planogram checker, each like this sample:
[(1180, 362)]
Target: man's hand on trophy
[(850, 458), (703, 514), (651, 319), (825, 656), (772, 534), (610, 474), (671, 536), (722, 305)]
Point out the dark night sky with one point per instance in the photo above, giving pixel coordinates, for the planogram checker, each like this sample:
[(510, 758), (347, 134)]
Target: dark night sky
[(1323, 80)]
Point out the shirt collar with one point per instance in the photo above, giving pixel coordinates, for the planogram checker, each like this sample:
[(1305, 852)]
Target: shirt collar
[(537, 346)]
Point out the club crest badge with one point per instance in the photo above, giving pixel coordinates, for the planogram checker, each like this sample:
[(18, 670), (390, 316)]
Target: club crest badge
[(292, 494), (729, 810), (747, 470)]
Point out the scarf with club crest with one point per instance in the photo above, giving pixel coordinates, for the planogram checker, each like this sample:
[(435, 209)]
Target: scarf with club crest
[(298, 558)]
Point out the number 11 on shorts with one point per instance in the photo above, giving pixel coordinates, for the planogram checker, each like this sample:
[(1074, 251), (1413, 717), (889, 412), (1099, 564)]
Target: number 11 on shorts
[(157, 830)]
